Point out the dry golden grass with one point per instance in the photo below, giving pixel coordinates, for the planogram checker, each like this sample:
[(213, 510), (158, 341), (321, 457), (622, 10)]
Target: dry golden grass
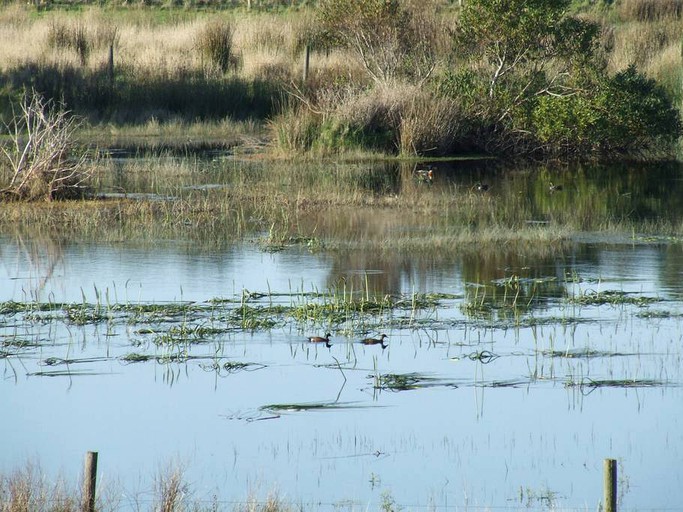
[(266, 46), (640, 43), (650, 10), (667, 68), (27, 490)]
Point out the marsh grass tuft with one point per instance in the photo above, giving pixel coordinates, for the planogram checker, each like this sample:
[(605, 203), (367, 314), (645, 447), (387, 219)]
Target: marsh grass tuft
[(215, 42), (136, 358), (172, 491), (408, 381), (27, 489), (73, 37), (312, 406)]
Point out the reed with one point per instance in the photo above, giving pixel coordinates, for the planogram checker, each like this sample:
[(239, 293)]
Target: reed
[(27, 489), (215, 42)]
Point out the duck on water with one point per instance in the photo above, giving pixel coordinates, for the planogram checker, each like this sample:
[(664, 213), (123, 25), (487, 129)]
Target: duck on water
[(376, 341), (321, 339)]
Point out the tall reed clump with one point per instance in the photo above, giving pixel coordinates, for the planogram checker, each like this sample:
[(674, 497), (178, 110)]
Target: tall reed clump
[(42, 158), (171, 490), (215, 42), (73, 37), (26, 490), (431, 124)]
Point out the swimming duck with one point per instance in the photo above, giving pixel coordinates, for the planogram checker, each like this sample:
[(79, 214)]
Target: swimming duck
[(426, 175), (376, 341), (320, 339)]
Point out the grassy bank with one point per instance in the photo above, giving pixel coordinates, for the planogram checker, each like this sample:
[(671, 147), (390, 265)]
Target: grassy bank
[(229, 69)]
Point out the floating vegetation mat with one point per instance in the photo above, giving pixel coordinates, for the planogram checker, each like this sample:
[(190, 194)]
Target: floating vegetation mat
[(310, 406), (591, 384), (583, 353), (612, 297), (408, 381)]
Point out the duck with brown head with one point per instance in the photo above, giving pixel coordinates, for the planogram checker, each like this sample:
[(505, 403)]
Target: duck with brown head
[(376, 341), (424, 174), (321, 339)]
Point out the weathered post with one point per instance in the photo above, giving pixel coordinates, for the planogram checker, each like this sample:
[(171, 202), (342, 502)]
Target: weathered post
[(307, 60), (111, 66), (89, 482), (610, 474)]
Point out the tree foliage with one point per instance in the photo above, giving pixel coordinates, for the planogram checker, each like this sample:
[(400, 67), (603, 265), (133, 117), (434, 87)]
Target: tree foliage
[(529, 46)]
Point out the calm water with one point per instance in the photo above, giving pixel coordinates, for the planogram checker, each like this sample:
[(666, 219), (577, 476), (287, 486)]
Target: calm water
[(515, 432)]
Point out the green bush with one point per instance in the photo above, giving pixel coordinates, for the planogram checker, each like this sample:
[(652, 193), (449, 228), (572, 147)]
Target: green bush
[(625, 113)]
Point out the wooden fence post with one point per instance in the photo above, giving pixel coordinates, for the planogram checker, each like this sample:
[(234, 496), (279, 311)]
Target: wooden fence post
[(610, 475), (307, 60), (111, 67), (89, 482)]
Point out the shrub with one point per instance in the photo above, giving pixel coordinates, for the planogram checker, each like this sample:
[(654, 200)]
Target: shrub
[(41, 157), (391, 39), (625, 113)]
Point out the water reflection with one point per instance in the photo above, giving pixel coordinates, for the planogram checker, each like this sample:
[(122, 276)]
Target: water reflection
[(56, 270), (468, 406)]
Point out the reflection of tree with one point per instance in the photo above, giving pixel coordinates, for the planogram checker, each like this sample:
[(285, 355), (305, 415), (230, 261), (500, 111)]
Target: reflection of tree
[(520, 278), (671, 269), (34, 259), (379, 273), (511, 281)]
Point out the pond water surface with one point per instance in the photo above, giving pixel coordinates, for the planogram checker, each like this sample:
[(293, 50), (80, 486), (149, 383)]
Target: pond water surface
[(506, 381)]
